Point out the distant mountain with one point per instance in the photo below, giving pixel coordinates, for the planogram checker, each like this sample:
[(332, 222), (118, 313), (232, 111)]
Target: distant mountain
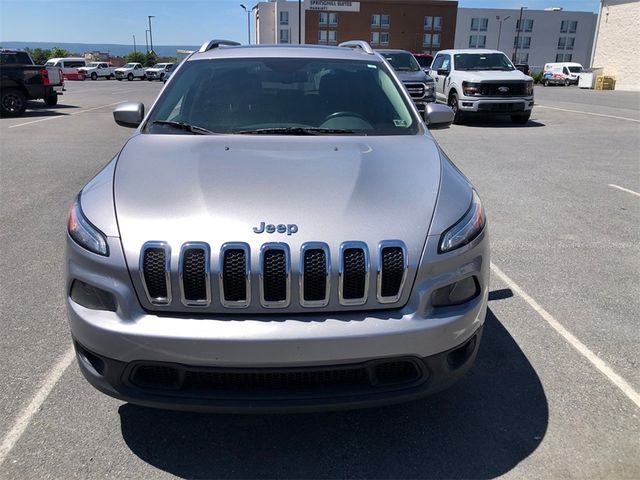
[(113, 49)]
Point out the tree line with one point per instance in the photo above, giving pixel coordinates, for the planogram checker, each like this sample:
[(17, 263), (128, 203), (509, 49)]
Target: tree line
[(41, 55)]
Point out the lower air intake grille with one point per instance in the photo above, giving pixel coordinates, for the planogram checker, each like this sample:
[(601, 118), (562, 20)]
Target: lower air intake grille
[(153, 268), (315, 275), (274, 271), (194, 274), (234, 274), (392, 271), (354, 273)]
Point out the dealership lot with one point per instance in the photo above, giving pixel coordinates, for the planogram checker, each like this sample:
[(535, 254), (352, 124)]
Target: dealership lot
[(562, 198)]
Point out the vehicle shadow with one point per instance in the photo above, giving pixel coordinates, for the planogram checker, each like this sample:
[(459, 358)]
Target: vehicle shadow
[(498, 122), (480, 428)]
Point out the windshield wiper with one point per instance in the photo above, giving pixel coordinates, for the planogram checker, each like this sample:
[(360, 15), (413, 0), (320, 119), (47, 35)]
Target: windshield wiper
[(196, 130), (295, 131)]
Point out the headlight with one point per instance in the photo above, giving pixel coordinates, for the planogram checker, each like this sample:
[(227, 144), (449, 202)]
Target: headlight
[(469, 88), (529, 88), (465, 229), (85, 234)]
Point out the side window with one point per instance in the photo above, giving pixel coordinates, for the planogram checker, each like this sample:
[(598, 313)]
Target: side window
[(565, 70), (437, 63)]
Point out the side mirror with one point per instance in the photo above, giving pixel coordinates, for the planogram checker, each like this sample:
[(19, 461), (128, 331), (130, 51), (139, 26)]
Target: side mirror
[(438, 116), (443, 71), (129, 114)]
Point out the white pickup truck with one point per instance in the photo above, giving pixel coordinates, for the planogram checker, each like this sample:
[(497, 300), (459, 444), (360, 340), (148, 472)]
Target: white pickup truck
[(158, 71), (95, 70), (130, 71), (482, 82)]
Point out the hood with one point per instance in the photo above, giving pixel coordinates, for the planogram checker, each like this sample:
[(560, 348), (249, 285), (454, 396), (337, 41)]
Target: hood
[(122, 69), (417, 76), (495, 76), (216, 189)]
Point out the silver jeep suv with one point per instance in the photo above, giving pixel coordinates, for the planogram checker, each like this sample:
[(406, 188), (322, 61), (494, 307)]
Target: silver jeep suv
[(280, 232)]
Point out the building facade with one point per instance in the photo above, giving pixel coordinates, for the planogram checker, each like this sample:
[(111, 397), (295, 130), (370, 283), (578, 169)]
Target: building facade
[(277, 22), (545, 36), (617, 42)]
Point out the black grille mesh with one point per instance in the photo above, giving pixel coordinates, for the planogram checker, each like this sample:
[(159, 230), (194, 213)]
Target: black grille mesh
[(194, 276), (315, 275), (274, 270), (392, 271), (154, 274), (234, 275), (354, 273)]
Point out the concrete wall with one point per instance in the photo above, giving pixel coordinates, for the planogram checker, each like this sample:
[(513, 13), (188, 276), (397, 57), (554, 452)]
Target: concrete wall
[(618, 42), (266, 27), (544, 35)]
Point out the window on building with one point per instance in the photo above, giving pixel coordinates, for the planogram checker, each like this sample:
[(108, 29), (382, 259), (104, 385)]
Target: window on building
[(385, 21), (521, 58), (284, 35), (375, 21), (568, 26), (322, 36), (527, 25), (435, 40), (480, 24), (428, 23), (437, 23), (333, 37), (426, 40), (562, 41), (475, 24), (563, 57), (384, 38), (333, 19), (284, 18), (375, 38), (522, 42), (570, 43), (573, 26), (484, 24), (323, 18)]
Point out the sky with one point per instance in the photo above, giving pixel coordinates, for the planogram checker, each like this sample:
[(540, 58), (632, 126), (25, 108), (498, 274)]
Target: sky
[(176, 22)]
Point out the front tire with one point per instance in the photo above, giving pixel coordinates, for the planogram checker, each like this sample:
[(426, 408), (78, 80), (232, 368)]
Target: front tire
[(453, 104), (51, 100), (13, 103), (545, 83), (130, 77), (567, 83), (94, 76), (521, 119)]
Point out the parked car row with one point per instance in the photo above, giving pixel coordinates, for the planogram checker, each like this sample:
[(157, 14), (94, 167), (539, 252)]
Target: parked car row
[(79, 69)]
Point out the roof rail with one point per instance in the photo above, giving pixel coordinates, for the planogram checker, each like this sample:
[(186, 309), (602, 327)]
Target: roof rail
[(216, 43), (361, 44)]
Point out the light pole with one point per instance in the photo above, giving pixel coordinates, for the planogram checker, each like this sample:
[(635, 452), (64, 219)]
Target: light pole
[(134, 44), (299, 22), (146, 39), (519, 27), (150, 34), (249, 10), (500, 28)]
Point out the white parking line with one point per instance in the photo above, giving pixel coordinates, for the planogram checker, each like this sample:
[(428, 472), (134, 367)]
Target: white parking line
[(63, 116), (588, 113), (596, 361), (624, 189), (22, 422)]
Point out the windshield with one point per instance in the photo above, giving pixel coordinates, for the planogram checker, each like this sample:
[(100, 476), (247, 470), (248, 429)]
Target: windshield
[(129, 65), (402, 61), (482, 61), (575, 69), (49, 64), (93, 64), (290, 95), (158, 65)]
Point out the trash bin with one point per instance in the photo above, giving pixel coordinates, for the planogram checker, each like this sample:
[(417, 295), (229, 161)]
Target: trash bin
[(588, 77), (605, 82)]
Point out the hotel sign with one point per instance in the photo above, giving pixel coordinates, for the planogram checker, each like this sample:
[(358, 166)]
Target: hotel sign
[(333, 6)]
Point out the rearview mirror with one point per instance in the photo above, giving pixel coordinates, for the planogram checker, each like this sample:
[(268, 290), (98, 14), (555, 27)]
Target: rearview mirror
[(438, 116), (129, 114)]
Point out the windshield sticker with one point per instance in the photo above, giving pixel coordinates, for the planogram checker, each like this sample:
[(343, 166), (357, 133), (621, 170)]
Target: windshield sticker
[(371, 66), (400, 123)]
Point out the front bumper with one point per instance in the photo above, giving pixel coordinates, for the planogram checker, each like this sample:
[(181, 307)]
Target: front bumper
[(495, 105), (417, 331)]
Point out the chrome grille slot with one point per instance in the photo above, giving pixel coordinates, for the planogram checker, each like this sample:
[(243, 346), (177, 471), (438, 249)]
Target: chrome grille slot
[(354, 273), (195, 281), (315, 268), (235, 287), (416, 90), (392, 270), (275, 277), (155, 268)]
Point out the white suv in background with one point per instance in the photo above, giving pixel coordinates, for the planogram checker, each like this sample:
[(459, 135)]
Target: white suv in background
[(130, 71), (95, 70), (158, 71), (482, 81)]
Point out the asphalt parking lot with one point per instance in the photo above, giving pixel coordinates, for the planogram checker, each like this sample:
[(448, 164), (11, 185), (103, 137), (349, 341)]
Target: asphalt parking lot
[(553, 394)]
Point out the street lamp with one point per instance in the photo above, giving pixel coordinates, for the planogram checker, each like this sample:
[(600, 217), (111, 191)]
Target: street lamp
[(134, 44), (146, 39), (518, 27), (249, 10), (500, 28), (299, 22), (150, 35)]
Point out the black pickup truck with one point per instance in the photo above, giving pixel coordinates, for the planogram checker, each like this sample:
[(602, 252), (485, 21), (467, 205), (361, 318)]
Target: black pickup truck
[(21, 80)]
